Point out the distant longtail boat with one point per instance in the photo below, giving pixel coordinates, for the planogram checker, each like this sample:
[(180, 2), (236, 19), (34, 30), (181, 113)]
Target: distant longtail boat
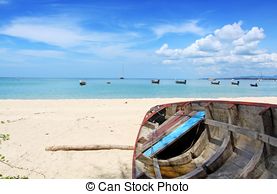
[(155, 81), (82, 82), (215, 82), (254, 85), (181, 81), (233, 82)]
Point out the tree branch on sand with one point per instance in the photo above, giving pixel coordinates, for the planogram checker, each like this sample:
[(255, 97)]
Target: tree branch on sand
[(88, 147)]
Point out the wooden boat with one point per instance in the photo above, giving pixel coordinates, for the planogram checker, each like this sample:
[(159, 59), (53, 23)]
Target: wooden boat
[(254, 85), (207, 139), (82, 82), (215, 82), (181, 81), (235, 82), (155, 81)]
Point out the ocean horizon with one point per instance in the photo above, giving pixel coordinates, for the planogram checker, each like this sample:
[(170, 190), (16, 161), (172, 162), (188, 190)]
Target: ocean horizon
[(97, 88)]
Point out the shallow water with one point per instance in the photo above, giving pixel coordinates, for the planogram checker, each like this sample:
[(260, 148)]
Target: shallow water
[(46, 88)]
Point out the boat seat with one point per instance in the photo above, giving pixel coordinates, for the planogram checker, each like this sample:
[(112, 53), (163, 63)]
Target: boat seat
[(151, 137), (166, 127), (175, 134)]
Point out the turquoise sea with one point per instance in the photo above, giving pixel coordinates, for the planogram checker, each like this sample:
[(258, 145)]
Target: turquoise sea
[(50, 88)]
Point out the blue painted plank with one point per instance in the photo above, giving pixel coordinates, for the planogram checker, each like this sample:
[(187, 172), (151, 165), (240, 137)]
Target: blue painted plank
[(169, 138)]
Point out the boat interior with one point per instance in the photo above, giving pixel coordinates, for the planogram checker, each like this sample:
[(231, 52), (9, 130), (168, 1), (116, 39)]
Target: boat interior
[(207, 139)]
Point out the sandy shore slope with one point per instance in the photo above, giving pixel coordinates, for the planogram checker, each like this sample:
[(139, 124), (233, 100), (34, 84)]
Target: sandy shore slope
[(35, 124)]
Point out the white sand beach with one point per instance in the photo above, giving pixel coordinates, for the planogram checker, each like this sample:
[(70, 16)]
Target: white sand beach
[(36, 124)]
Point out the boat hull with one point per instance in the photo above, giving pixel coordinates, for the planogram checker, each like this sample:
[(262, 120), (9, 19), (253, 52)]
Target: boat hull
[(215, 82), (235, 83), (181, 81), (234, 140), (155, 81)]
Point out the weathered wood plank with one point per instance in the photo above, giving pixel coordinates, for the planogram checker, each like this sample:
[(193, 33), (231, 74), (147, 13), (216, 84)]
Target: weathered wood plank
[(182, 159), (157, 168), (252, 164), (244, 131), (267, 119), (208, 111), (88, 147), (233, 128), (231, 106), (233, 119), (170, 171), (221, 155), (163, 130), (264, 110), (199, 145), (197, 173)]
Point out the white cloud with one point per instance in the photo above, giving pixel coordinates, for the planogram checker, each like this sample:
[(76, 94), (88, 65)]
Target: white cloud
[(228, 47), (229, 32), (253, 35), (75, 40), (248, 49), (165, 51), (208, 43), (187, 27), (48, 34), (200, 48), (41, 53), (168, 61), (52, 31), (248, 42), (60, 31)]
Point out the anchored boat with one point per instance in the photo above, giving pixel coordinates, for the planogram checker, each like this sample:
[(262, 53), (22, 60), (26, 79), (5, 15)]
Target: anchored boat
[(215, 82), (82, 83), (155, 81), (207, 139), (254, 85), (181, 81), (233, 82)]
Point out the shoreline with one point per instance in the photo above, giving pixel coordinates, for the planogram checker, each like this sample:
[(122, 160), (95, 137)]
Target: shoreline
[(154, 98), (34, 125), (266, 100)]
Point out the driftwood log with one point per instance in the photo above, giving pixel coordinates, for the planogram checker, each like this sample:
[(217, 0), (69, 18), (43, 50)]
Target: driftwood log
[(88, 147)]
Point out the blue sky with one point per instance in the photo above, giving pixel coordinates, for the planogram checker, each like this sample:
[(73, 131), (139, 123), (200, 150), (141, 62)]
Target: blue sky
[(154, 38)]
